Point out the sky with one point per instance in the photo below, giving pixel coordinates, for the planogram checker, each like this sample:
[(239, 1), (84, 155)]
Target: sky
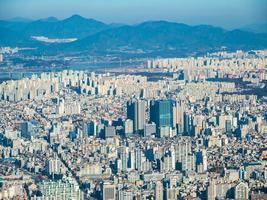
[(224, 13)]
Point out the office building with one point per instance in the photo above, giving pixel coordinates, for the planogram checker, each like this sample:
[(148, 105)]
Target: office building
[(108, 191), (27, 130), (110, 131), (178, 116), (150, 129), (158, 191), (241, 191), (161, 112), (136, 112), (128, 127), (58, 190)]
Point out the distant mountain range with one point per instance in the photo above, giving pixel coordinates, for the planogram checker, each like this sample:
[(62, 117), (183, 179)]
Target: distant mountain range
[(256, 28), (148, 38)]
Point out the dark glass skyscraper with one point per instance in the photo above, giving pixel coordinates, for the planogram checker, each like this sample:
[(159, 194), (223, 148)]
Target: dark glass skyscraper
[(161, 112), (187, 124)]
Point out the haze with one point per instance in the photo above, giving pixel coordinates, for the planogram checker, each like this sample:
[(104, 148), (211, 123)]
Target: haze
[(228, 14)]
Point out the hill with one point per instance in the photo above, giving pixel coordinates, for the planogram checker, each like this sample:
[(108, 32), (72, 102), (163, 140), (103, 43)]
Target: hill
[(148, 38)]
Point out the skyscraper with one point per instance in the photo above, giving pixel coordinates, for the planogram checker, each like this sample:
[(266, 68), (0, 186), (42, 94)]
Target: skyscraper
[(123, 156), (201, 161), (108, 191), (63, 189), (138, 158), (110, 131), (126, 195), (136, 112), (150, 129), (1, 58), (161, 112), (211, 191), (221, 121), (228, 126), (241, 191), (158, 192), (183, 155), (178, 116), (171, 193), (91, 128), (26, 130), (128, 127), (187, 124), (53, 166)]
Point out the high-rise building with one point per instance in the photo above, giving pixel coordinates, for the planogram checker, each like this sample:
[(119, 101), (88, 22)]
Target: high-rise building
[(201, 161), (168, 162), (126, 195), (131, 160), (183, 155), (91, 128), (136, 112), (54, 132), (242, 173), (1, 58), (161, 112), (228, 126), (224, 190), (211, 191), (158, 192), (187, 124), (138, 158), (123, 158), (178, 116), (108, 191), (68, 108), (61, 107), (164, 131), (53, 166), (128, 127), (27, 130), (150, 129), (12, 134), (241, 191), (221, 121), (110, 131), (242, 131), (171, 193), (63, 189)]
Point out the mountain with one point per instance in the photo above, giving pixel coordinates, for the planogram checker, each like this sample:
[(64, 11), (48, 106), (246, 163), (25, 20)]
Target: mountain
[(19, 19), (49, 19), (116, 25), (162, 36), (13, 38), (155, 38), (255, 28), (73, 27), (14, 25)]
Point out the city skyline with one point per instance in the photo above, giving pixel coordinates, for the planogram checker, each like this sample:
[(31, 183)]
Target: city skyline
[(196, 131), (133, 100)]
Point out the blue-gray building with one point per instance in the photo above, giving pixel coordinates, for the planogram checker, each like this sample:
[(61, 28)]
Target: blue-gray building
[(161, 112)]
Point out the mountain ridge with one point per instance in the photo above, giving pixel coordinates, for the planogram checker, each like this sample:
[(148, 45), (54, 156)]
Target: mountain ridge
[(151, 36)]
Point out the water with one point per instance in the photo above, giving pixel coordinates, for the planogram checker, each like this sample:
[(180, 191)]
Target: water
[(28, 73), (75, 66), (16, 75)]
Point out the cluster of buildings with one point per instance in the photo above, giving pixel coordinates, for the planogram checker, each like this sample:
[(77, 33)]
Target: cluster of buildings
[(248, 66), (81, 135), (7, 50)]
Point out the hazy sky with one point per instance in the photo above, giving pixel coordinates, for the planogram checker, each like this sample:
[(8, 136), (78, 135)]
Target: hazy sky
[(226, 13)]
